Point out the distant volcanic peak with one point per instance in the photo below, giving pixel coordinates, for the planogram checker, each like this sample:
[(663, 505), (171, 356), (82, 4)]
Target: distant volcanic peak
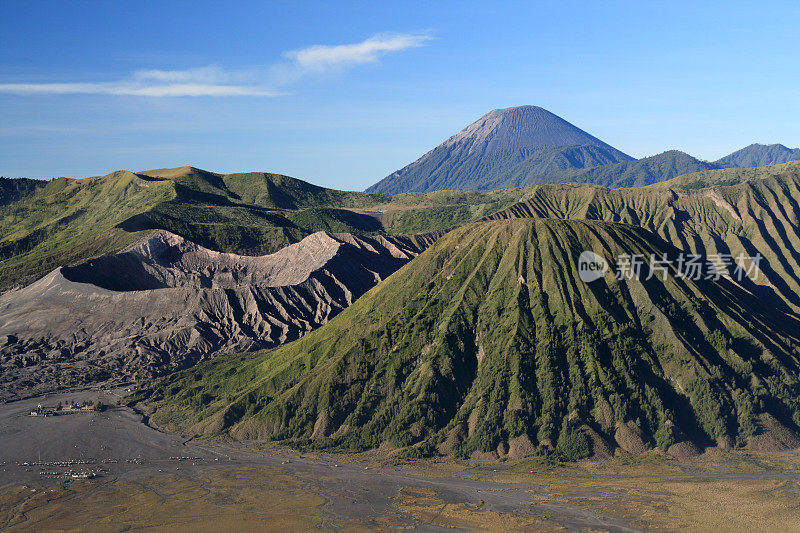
[(772, 145), (756, 155), (679, 157), (505, 148), (526, 127), (674, 152)]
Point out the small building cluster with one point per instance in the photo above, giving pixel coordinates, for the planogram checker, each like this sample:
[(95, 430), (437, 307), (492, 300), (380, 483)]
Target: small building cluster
[(69, 408)]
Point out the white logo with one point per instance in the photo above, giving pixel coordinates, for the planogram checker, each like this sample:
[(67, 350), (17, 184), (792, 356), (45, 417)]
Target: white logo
[(591, 266)]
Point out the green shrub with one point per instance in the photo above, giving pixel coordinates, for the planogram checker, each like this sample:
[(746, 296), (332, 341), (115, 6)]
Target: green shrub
[(422, 451), (665, 436), (572, 445)]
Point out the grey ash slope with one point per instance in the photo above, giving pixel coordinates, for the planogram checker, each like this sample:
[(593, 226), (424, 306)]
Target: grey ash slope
[(166, 303), (504, 148), (527, 127), (759, 155)]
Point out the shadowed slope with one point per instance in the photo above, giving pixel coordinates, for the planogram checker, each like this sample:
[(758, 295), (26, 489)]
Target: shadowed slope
[(14, 189), (489, 343), (166, 303)]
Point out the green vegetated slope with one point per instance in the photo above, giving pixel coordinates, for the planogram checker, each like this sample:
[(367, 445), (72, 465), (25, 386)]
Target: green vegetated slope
[(729, 176), (69, 220), (638, 173), (730, 211), (488, 342)]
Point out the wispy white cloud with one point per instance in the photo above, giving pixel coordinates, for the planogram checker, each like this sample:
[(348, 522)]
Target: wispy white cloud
[(129, 89), (215, 81), (323, 57), (203, 81), (210, 74)]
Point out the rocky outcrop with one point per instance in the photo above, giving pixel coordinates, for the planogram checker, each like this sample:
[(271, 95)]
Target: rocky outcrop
[(166, 303)]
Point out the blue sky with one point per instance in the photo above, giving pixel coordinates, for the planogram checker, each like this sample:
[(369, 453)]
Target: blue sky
[(342, 94)]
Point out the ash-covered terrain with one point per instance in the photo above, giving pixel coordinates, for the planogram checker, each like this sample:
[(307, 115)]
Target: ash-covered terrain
[(165, 303)]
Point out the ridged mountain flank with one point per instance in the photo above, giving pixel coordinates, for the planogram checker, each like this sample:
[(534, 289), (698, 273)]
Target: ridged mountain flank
[(726, 211), (757, 155), (504, 148), (638, 173), (489, 343)]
